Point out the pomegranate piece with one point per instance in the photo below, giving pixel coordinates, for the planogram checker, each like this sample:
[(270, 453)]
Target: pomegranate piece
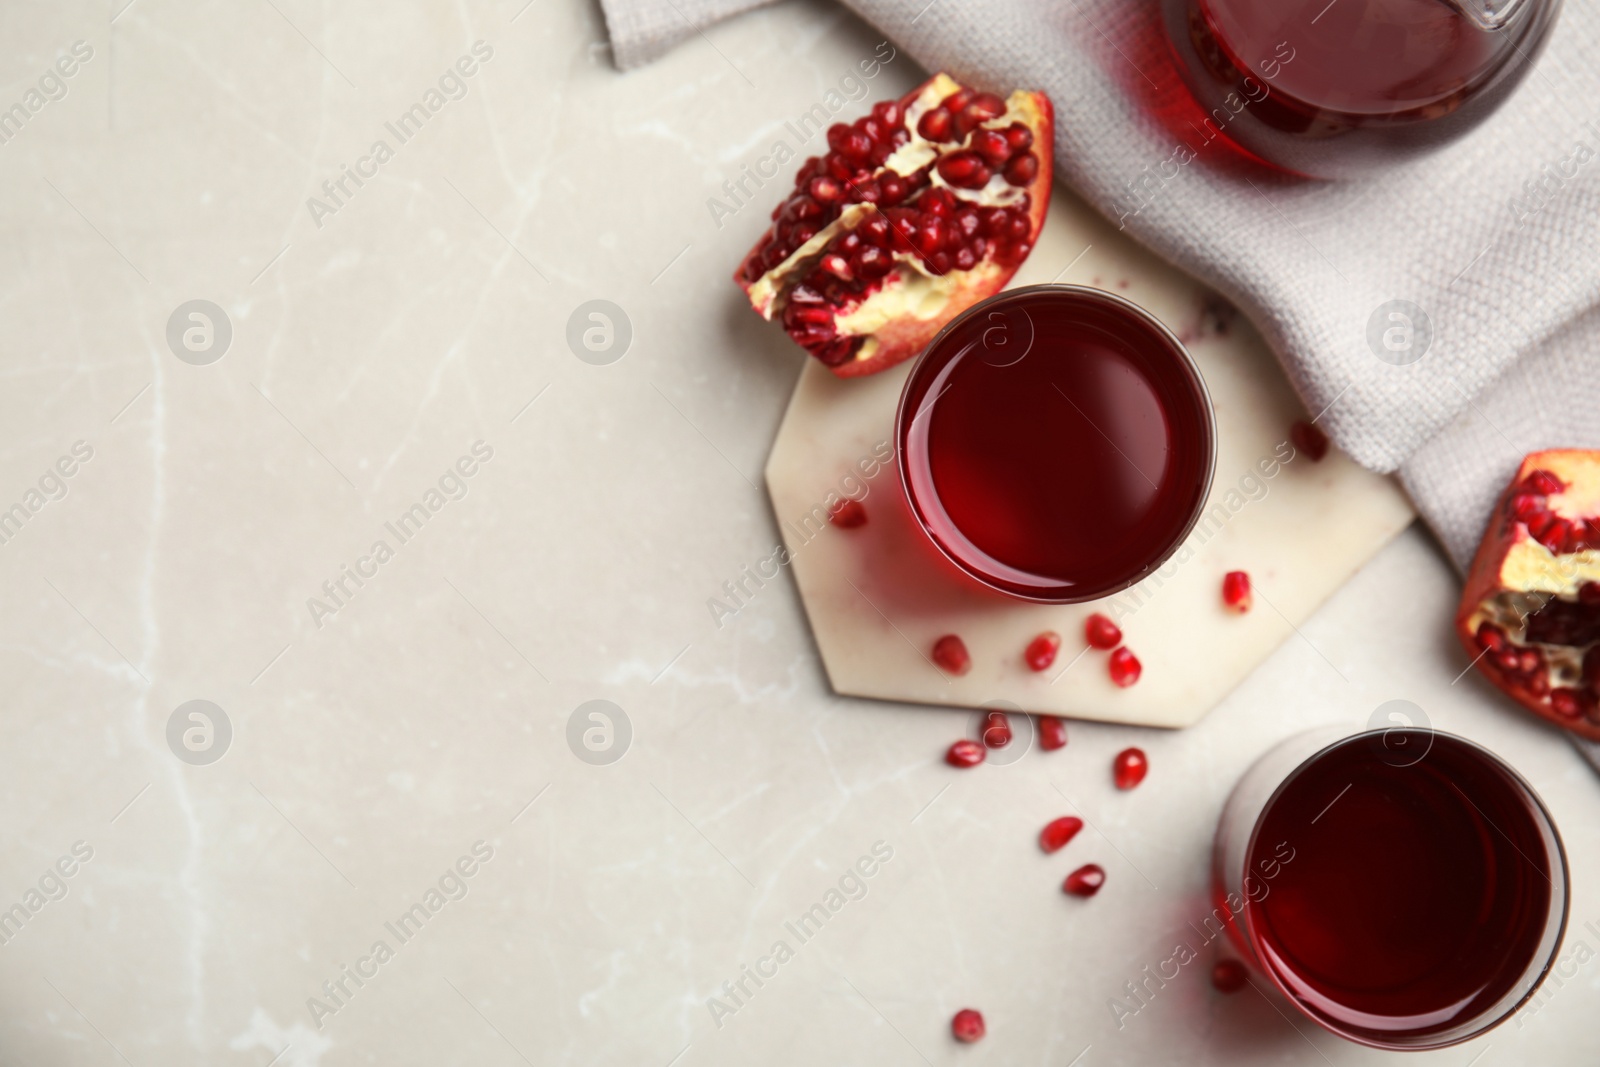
[(1125, 667), (965, 753), (1052, 732), (1101, 632), (996, 730), (1041, 651), (1058, 832), (967, 1025), (1236, 591), (847, 514), (950, 653), (1228, 976), (1085, 881), (1530, 611), (1310, 440), (1129, 768), (918, 211)]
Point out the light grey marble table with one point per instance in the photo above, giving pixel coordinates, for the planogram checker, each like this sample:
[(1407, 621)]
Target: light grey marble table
[(393, 725)]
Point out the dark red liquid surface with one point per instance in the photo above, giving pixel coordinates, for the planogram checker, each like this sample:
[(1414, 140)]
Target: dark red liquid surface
[(1417, 896), (1055, 444), (1335, 88)]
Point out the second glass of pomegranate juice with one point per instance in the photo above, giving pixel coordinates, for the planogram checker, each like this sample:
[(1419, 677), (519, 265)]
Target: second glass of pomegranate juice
[(1056, 443), (1403, 888)]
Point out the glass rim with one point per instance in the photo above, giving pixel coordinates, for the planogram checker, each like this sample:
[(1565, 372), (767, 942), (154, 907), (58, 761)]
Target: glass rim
[(1198, 388), (1539, 965)]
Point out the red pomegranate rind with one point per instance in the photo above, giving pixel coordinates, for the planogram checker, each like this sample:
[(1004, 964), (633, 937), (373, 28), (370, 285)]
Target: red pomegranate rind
[(1530, 612), (918, 211)]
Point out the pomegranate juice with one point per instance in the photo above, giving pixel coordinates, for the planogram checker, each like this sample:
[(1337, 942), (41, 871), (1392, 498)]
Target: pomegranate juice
[(1419, 894), (1056, 443), (1334, 88)]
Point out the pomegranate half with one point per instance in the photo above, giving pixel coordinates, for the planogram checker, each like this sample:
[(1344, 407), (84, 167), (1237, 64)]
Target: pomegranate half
[(1530, 612), (919, 210)]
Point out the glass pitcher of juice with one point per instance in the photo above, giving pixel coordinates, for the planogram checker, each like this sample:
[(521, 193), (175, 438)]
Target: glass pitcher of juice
[(1338, 88)]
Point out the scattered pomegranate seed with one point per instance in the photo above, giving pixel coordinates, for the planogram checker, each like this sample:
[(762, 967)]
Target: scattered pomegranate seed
[(1053, 731), (950, 653), (1101, 632), (1125, 667), (1041, 651), (1085, 881), (1228, 976), (1129, 768), (1058, 832), (848, 514), (1310, 440), (967, 1026), (1236, 591), (996, 730), (965, 753)]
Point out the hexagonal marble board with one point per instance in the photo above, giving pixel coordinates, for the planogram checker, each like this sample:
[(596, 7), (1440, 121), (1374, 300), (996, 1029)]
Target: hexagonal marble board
[(878, 596)]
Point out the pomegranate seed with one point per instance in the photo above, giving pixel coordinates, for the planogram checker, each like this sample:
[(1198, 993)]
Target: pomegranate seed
[(1310, 440), (887, 112), (1053, 731), (1101, 632), (1019, 137), (950, 653), (956, 100), (1506, 660), (1591, 666), (1538, 684), (964, 170), (1129, 768), (996, 730), (1125, 667), (1023, 169), (992, 146), (848, 514), (967, 1026), (935, 125), (1529, 660), (1545, 483), (1555, 535), (872, 263), (1564, 702), (1525, 506), (825, 190), (1236, 591), (1228, 976), (1492, 639), (1058, 832), (1041, 651), (965, 753), (1085, 881)]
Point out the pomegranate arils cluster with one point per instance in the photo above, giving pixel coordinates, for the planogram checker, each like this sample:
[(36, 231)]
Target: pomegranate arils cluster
[(919, 189), (1530, 612)]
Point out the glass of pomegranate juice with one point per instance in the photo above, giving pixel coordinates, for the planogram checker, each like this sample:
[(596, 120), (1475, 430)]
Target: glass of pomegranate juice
[(1056, 443), (1403, 888)]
